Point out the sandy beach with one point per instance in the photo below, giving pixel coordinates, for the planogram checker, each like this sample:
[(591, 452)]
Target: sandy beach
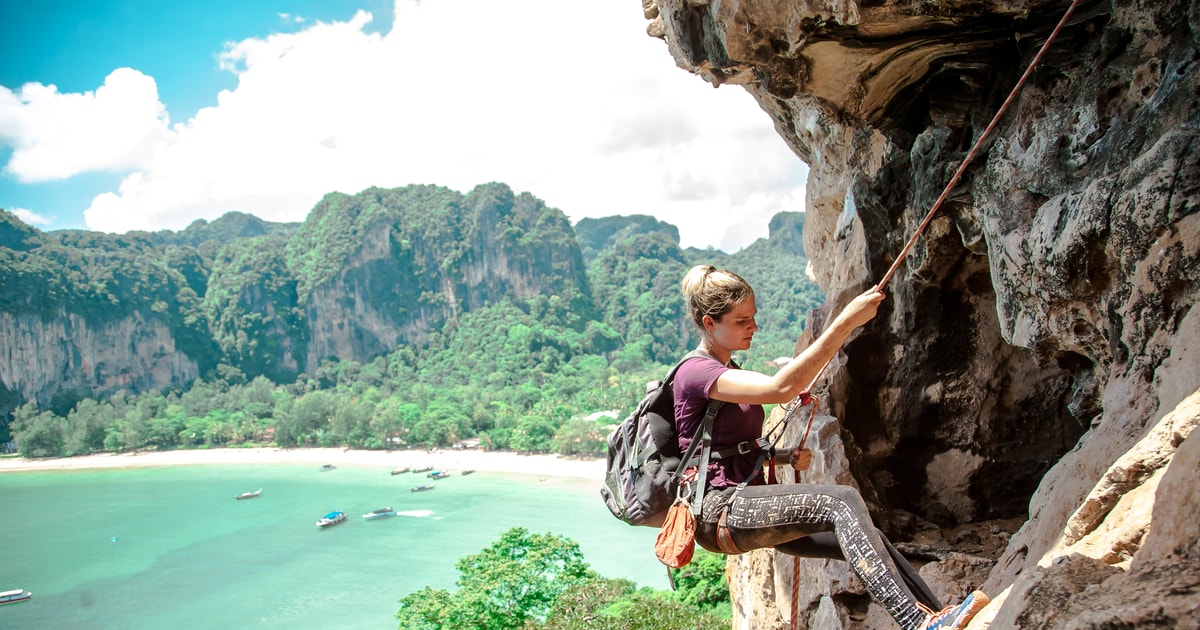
[(453, 461)]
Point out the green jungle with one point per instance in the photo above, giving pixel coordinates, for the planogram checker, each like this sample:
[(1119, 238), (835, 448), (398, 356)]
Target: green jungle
[(541, 581), (518, 369)]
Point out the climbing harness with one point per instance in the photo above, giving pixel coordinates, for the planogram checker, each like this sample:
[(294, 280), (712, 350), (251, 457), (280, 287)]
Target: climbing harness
[(804, 398)]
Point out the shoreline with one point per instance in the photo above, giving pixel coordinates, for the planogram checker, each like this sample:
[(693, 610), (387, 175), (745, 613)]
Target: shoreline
[(454, 461)]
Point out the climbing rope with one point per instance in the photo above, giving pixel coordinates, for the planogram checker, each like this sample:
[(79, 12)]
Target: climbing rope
[(804, 398), (795, 592), (1012, 95)]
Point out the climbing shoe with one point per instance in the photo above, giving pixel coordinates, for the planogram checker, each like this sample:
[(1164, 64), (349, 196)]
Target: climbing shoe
[(956, 617)]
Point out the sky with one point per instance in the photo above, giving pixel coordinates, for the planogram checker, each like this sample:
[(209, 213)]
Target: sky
[(127, 115)]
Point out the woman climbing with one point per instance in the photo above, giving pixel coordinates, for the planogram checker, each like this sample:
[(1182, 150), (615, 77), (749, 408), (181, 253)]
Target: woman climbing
[(807, 520)]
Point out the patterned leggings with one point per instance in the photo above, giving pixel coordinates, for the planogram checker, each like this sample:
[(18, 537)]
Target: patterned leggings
[(784, 515)]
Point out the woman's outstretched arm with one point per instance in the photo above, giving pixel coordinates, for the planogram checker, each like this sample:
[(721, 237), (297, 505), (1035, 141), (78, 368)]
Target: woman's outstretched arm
[(756, 388)]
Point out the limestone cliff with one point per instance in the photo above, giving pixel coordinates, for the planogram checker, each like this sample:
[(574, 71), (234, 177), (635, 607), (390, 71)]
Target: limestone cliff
[(69, 353), (88, 314), (1019, 411), (403, 278)]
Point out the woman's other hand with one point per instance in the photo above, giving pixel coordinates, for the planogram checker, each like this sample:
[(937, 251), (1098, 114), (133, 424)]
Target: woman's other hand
[(801, 458), (863, 308)]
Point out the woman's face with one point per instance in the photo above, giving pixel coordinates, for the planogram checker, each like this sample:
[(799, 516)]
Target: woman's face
[(735, 329)]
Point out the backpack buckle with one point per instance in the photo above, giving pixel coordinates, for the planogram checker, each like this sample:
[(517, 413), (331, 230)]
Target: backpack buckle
[(686, 488)]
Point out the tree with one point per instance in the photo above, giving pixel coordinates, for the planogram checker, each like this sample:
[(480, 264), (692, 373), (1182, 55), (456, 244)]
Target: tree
[(702, 583), (351, 422), (389, 422), (517, 578), (580, 437), (428, 609), (579, 606), (85, 427), (39, 434), (533, 434), (201, 398), (653, 611), (442, 424), (310, 413), (618, 605), (257, 399), (164, 429)]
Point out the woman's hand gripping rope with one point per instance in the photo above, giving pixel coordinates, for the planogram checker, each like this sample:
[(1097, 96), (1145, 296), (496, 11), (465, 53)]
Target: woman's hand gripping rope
[(799, 457)]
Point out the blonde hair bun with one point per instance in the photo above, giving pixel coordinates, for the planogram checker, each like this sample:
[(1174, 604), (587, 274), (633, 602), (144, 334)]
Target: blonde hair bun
[(713, 292)]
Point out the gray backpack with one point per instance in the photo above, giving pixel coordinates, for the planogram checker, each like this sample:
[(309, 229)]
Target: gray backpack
[(644, 465)]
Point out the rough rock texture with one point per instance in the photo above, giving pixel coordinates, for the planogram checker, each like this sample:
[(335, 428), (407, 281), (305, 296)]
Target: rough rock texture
[(67, 353), (347, 319), (1022, 403)]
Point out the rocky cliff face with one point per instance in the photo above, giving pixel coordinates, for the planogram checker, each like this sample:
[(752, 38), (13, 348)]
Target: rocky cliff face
[(1019, 411), (399, 286), (362, 276), (70, 354)]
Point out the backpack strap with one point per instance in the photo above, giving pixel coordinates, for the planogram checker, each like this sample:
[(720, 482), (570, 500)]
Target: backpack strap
[(745, 448), (662, 433), (710, 414), (703, 439)]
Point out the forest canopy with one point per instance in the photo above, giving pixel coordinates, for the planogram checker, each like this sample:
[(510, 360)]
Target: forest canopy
[(525, 332), (526, 580)]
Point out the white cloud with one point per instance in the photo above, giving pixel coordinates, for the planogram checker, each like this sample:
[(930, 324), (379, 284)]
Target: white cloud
[(30, 217), (571, 102), (118, 127)]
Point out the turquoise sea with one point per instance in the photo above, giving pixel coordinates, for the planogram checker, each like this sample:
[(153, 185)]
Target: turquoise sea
[(170, 548)]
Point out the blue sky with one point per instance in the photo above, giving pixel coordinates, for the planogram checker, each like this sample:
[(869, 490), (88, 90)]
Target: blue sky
[(132, 114)]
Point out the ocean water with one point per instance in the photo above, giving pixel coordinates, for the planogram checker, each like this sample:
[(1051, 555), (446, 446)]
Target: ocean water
[(170, 548)]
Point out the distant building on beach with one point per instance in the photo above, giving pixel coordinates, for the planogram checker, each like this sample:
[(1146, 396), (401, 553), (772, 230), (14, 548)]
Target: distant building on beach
[(11, 447)]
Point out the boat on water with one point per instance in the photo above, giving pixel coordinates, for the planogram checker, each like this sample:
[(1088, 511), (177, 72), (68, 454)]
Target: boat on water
[(380, 513), (425, 469), (422, 488), (248, 495), (327, 467), (400, 471), (14, 596), (438, 474), (332, 518), (468, 471)]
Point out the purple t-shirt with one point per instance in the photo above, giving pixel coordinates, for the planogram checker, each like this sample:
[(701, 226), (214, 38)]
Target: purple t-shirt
[(734, 422)]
